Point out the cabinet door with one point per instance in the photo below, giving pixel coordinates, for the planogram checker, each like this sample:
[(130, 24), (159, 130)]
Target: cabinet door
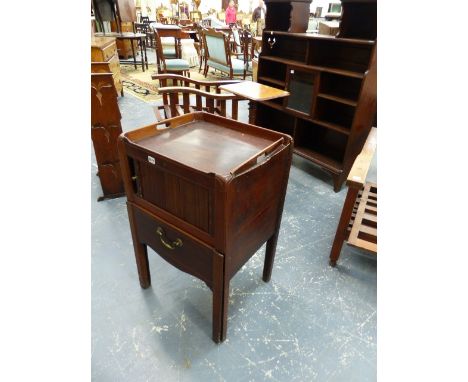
[(303, 85)]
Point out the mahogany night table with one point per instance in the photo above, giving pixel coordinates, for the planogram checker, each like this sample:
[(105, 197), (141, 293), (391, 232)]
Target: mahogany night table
[(205, 193)]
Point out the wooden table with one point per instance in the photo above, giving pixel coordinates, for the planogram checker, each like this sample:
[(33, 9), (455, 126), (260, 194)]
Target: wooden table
[(254, 92), (205, 193), (141, 37)]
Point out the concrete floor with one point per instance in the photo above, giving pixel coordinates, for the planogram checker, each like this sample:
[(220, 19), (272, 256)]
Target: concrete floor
[(310, 323)]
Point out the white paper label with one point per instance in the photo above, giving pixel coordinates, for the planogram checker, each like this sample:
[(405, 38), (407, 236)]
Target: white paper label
[(151, 160)]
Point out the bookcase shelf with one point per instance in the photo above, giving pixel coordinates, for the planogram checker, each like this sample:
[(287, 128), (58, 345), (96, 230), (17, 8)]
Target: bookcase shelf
[(338, 99), (332, 126), (273, 81), (332, 104), (348, 73)]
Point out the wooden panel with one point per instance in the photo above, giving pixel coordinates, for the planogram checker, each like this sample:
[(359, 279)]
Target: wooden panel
[(104, 139), (105, 130), (182, 198), (110, 178), (254, 208)]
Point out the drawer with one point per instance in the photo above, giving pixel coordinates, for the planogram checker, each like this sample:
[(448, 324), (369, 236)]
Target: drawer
[(109, 51), (176, 247)]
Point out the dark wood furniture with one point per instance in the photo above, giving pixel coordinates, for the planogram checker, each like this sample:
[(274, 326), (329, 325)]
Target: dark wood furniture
[(104, 59), (359, 19), (333, 86), (200, 193), (358, 221), (287, 15), (105, 130)]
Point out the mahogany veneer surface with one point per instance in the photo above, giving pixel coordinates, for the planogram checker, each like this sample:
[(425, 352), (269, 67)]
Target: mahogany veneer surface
[(209, 148)]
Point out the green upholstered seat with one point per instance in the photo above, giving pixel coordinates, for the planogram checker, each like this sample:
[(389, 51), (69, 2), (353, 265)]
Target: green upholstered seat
[(177, 64)]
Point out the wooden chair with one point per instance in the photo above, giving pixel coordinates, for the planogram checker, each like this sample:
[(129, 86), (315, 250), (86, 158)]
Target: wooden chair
[(218, 54), (236, 40), (144, 28), (200, 45), (248, 49), (208, 97), (169, 65), (358, 221)]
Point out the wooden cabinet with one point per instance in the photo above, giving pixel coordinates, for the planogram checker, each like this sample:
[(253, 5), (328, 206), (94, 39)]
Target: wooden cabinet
[(105, 130), (202, 195), (104, 59)]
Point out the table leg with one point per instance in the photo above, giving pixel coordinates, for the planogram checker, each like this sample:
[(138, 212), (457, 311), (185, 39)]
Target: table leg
[(146, 57), (270, 256), (141, 253), (142, 56), (179, 48), (220, 298), (252, 112), (134, 56), (341, 231)]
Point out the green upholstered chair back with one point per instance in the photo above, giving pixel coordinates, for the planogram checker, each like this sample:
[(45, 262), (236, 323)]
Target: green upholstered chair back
[(217, 47)]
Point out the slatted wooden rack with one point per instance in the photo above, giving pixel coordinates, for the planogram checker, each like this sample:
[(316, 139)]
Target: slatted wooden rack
[(358, 221)]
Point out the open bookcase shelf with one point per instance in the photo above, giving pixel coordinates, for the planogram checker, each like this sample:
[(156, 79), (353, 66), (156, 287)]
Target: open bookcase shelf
[(332, 102)]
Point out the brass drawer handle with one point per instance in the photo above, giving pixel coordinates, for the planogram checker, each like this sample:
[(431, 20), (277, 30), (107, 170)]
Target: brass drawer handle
[(175, 244)]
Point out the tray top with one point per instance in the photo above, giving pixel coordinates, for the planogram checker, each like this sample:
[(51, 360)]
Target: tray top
[(206, 146)]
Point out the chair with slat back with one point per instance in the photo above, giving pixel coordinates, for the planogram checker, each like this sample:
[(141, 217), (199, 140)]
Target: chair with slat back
[(178, 98), (218, 55), (358, 221), (169, 65)]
